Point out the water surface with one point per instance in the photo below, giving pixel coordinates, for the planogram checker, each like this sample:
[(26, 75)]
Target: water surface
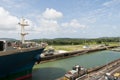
[(55, 69)]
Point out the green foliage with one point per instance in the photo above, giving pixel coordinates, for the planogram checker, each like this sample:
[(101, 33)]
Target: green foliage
[(78, 41)]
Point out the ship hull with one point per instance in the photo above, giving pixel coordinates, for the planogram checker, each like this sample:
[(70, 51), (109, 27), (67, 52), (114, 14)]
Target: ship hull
[(18, 66)]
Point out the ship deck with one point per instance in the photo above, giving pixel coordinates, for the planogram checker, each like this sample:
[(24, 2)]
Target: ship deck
[(17, 51)]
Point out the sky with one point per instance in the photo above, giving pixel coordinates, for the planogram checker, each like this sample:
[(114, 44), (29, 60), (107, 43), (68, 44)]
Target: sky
[(60, 18)]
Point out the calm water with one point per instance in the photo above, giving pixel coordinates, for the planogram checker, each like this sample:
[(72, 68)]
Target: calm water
[(55, 69)]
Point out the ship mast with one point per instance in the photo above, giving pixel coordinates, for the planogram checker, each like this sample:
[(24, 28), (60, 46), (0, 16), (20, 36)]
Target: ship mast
[(23, 23)]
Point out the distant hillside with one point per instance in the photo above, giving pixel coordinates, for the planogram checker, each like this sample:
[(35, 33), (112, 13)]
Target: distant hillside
[(8, 39)]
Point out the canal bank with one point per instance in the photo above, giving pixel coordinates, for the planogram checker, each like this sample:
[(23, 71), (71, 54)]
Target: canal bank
[(73, 53), (58, 68)]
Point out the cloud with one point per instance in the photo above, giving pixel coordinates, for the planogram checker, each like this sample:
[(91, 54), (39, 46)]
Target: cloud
[(14, 4), (48, 22), (7, 21), (52, 14), (111, 3), (74, 24), (47, 26)]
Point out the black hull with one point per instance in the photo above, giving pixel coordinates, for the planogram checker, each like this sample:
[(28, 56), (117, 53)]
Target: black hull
[(19, 62)]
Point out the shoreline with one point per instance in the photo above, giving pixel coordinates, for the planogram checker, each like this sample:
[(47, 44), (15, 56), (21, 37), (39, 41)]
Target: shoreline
[(73, 54)]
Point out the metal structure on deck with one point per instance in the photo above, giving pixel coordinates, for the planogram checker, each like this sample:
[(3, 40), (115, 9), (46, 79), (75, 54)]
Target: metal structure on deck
[(23, 23)]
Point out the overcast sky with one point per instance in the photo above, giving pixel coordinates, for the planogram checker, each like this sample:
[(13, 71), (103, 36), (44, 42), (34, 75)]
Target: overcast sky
[(60, 18)]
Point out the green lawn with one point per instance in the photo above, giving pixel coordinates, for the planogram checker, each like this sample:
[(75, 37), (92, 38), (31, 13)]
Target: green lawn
[(68, 47), (76, 47)]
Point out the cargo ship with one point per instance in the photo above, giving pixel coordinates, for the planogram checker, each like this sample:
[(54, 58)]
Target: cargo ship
[(18, 59)]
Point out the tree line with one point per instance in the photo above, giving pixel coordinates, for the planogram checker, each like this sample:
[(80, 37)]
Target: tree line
[(78, 41)]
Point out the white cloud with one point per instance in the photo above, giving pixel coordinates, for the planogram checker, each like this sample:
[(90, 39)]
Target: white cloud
[(91, 20), (47, 26), (52, 14), (7, 21), (111, 3), (14, 4), (74, 24), (48, 23), (9, 25)]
